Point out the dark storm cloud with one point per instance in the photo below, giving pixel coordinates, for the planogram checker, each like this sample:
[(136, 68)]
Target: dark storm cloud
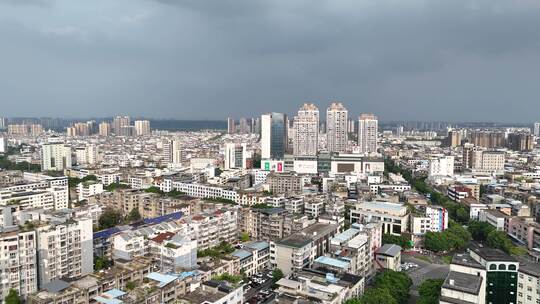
[(447, 60)]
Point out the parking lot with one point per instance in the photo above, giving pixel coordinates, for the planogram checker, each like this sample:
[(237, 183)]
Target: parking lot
[(424, 270), (259, 288)]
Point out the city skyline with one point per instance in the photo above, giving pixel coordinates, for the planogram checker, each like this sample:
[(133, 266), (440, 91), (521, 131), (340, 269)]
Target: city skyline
[(457, 62)]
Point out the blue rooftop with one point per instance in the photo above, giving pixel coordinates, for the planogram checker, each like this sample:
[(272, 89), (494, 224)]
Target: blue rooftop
[(260, 245), (346, 235), (186, 274), (114, 293), (164, 218), (163, 279), (242, 254), (332, 262), (105, 234)]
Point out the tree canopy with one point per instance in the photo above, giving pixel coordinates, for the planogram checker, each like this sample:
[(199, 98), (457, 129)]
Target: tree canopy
[(400, 240), (389, 287), (430, 291), (109, 218), (500, 240), (479, 230), (454, 238), (277, 274), (134, 215), (12, 297)]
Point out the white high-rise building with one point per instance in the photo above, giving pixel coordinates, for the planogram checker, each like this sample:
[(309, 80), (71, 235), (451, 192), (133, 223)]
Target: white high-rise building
[(55, 157), (65, 250), (306, 131), (368, 126), (142, 127), (336, 127), (92, 154), (18, 269), (3, 145), (235, 156), (177, 153), (536, 129), (441, 166)]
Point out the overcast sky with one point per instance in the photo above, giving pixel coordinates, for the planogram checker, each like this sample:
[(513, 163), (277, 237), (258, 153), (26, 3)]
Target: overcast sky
[(457, 60)]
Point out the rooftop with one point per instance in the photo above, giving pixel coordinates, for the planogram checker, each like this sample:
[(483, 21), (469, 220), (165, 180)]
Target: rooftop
[(465, 259), (242, 254), (346, 235), (307, 235), (463, 282), (389, 250), (258, 245), (333, 262), (490, 254)]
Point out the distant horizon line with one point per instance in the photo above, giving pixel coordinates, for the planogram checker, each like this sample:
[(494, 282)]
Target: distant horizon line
[(249, 117)]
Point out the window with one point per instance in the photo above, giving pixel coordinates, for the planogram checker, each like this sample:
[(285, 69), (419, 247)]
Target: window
[(512, 267), (493, 267), (502, 267)]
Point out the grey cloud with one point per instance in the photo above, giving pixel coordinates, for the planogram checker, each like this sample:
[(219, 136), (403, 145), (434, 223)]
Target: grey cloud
[(210, 59), (41, 3)]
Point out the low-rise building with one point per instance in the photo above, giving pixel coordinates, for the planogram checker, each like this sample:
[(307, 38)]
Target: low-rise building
[(394, 217), (299, 250), (494, 217), (388, 257), (312, 286), (254, 257)]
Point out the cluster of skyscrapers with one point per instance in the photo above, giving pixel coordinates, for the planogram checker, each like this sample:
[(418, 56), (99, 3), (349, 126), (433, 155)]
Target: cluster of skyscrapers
[(120, 126), (307, 138)]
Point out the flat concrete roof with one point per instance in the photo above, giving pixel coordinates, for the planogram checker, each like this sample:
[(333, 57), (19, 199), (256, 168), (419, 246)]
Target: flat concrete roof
[(463, 282)]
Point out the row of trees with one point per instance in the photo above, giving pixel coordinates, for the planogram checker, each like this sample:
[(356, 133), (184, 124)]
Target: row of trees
[(456, 211), (400, 240), (429, 291), (454, 238), (390, 287), (74, 181), (172, 193), (6, 164), (486, 233), (222, 249)]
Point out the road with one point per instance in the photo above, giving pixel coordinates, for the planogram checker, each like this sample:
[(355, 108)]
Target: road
[(423, 272)]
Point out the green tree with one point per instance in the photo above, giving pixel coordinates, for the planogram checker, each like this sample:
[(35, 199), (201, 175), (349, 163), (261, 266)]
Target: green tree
[(12, 297), (462, 215), (397, 283), (436, 241), (153, 189), (130, 285), (500, 240), (277, 274), (400, 240), (101, 263), (378, 296), (353, 301), (429, 291), (261, 206), (244, 237), (134, 215), (497, 239), (109, 218), (480, 230)]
